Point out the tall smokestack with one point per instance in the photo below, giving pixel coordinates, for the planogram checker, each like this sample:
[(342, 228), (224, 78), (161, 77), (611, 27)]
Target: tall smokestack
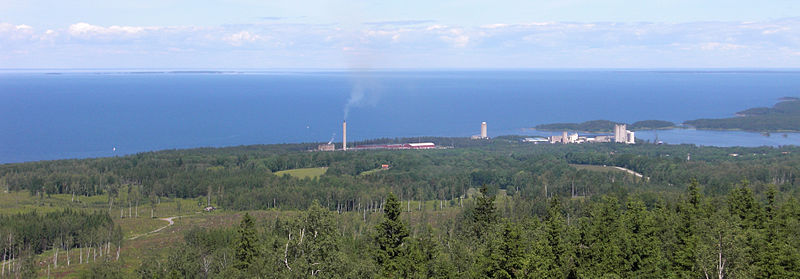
[(344, 135), (484, 134)]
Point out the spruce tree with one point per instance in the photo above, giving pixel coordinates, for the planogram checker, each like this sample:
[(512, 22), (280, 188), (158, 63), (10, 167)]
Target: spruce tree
[(506, 254), (246, 244), (484, 215), (604, 255), (558, 258), (643, 256), (684, 259), (391, 233)]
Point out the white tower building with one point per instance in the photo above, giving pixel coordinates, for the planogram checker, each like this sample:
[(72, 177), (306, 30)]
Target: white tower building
[(620, 133), (344, 135), (484, 134)]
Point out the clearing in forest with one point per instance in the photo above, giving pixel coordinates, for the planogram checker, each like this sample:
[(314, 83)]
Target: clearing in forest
[(606, 168), (304, 172)]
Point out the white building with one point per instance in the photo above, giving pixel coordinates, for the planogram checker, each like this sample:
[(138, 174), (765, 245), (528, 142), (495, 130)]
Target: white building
[(622, 135), (484, 133), (631, 138)]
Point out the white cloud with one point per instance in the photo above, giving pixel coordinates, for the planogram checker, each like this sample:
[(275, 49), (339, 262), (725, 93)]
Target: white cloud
[(87, 31), (720, 46), (527, 41), (243, 37)]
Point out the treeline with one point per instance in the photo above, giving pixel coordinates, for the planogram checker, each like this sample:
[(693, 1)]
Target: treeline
[(740, 235), (604, 126), (784, 116), (243, 178), (600, 126), (23, 235)]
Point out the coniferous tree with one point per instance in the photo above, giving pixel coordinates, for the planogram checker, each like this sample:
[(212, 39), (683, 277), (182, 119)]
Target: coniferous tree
[(641, 242), (505, 257), (425, 258), (247, 243), (390, 236), (785, 262), (484, 215), (603, 255), (556, 259), (684, 258)]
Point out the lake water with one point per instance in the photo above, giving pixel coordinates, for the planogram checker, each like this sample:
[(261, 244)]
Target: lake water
[(75, 114)]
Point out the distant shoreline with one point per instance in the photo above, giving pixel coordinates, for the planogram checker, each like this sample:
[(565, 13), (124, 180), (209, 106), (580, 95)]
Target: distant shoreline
[(668, 128), (783, 117)]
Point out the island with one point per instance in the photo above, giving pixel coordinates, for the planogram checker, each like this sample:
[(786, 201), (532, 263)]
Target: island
[(605, 126), (782, 117)]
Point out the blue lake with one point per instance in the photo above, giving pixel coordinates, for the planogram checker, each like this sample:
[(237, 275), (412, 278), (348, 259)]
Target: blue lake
[(75, 114)]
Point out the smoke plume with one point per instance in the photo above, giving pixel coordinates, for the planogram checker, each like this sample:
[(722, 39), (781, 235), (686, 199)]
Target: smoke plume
[(365, 92)]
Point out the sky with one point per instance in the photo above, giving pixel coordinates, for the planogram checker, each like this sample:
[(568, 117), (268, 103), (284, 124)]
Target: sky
[(346, 34)]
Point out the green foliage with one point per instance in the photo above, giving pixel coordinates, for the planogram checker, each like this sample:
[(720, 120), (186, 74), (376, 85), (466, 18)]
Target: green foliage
[(588, 126), (505, 255), (651, 124), (104, 270), (64, 229), (592, 222), (151, 267), (483, 216), (604, 126), (316, 250), (784, 116), (246, 252), (604, 253), (425, 258), (390, 236), (641, 242)]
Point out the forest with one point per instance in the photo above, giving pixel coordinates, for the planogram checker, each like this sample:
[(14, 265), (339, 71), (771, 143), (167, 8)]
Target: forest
[(605, 126), (783, 116), (495, 208)]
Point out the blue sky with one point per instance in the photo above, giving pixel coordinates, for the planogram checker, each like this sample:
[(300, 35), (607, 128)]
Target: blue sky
[(399, 34)]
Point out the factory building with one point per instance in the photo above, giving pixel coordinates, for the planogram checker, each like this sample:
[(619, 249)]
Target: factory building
[(536, 140), (622, 135), (326, 147), (566, 138)]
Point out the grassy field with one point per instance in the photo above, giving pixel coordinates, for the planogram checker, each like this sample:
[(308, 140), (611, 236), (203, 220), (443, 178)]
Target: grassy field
[(305, 172)]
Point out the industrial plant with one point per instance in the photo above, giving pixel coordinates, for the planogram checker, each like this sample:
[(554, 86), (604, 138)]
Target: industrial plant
[(621, 135), (399, 146)]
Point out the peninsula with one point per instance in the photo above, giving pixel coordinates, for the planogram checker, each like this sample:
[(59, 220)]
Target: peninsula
[(783, 116)]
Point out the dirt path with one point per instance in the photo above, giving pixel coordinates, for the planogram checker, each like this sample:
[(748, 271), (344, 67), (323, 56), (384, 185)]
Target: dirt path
[(168, 219), (632, 172)]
